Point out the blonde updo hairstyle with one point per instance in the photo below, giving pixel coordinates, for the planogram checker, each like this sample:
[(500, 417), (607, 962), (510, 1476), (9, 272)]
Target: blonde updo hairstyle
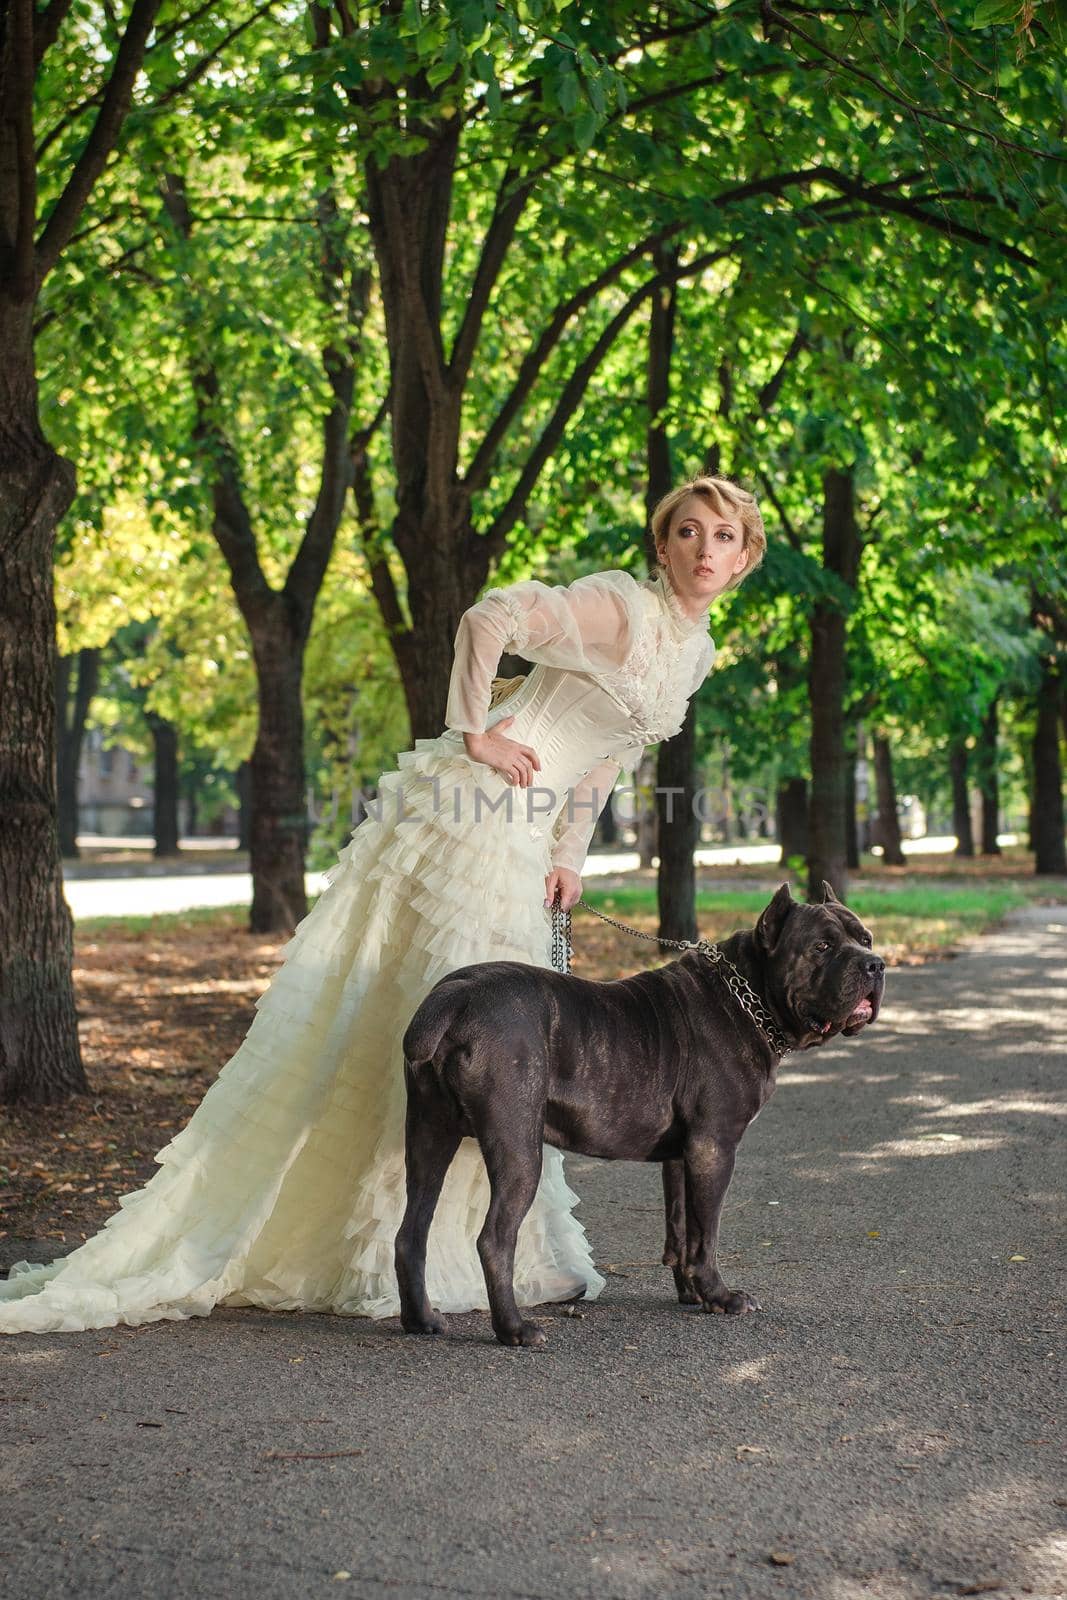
[(727, 499)]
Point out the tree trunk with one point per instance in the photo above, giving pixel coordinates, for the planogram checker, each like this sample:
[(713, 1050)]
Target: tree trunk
[(279, 831), (852, 826), (677, 832), (1050, 853), (165, 784), (645, 819), (439, 591), (40, 1061), (677, 825), (828, 843), (792, 810), (607, 825), (727, 813), (192, 804), (70, 735), (243, 785), (961, 806), (989, 781), (888, 816)]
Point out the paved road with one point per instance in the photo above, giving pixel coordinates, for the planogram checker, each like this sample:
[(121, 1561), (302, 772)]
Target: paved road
[(146, 889), (886, 1427)]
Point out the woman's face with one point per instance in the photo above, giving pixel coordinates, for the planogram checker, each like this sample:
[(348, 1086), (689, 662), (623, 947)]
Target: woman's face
[(703, 550)]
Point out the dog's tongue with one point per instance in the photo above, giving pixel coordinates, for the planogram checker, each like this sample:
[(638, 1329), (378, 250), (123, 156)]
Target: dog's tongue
[(864, 1011)]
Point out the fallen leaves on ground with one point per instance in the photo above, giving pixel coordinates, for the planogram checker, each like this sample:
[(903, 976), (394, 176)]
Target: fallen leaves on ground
[(158, 1015)]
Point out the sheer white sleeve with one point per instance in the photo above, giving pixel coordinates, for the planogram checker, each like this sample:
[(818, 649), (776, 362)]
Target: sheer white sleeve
[(586, 626), (705, 662), (575, 823)]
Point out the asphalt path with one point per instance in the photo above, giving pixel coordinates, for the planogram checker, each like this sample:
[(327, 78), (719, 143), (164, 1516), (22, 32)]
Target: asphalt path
[(886, 1427)]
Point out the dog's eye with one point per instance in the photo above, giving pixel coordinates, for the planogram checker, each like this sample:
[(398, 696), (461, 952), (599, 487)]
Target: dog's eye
[(868, 941), (821, 946)]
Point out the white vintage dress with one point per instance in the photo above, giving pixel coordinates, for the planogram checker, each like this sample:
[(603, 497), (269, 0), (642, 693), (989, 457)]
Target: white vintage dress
[(286, 1187)]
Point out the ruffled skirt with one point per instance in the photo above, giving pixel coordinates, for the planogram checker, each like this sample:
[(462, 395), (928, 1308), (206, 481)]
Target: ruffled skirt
[(286, 1187)]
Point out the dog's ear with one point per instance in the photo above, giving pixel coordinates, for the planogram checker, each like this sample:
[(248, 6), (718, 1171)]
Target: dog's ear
[(772, 918), (829, 898)]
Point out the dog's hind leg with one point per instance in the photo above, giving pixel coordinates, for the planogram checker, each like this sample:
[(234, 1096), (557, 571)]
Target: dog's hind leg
[(432, 1137), (513, 1162), (674, 1249)]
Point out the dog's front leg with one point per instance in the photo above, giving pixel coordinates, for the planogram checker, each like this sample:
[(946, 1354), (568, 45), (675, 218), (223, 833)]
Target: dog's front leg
[(709, 1166), (674, 1248)]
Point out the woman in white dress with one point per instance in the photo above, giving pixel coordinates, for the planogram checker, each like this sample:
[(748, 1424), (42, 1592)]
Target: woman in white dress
[(286, 1187)]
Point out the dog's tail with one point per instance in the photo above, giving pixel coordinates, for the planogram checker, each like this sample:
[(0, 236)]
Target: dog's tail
[(444, 1003)]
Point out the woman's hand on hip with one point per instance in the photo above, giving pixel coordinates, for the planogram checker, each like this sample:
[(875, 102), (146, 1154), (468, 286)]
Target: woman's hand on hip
[(569, 885), (515, 762)]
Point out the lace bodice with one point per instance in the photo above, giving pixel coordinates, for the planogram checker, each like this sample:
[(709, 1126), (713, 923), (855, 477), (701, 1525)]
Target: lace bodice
[(616, 661)]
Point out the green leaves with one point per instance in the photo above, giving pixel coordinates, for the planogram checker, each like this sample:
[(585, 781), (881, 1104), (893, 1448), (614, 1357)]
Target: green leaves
[(990, 13)]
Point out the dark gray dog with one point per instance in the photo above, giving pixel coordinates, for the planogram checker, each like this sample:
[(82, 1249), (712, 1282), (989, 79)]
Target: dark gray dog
[(669, 1065)]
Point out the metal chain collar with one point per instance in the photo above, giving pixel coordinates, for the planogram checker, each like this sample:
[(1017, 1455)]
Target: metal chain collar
[(735, 981)]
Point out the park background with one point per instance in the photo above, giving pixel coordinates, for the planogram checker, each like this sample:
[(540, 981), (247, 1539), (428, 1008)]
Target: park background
[(317, 320), (321, 318)]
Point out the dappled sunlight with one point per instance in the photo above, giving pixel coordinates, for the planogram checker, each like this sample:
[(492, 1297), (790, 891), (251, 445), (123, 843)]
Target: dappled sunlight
[(1047, 1562), (843, 1588), (757, 1370), (931, 1144), (995, 1513), (994, 1107)]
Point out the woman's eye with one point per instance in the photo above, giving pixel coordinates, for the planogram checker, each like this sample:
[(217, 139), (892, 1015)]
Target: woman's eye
[(726, 534)]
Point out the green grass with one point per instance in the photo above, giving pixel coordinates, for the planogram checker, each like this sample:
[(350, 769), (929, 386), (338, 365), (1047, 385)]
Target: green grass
[(910, 900), (905, 918), (164, 922)]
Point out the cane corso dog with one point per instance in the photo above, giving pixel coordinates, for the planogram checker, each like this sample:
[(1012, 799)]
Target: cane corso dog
[(669, 1065)]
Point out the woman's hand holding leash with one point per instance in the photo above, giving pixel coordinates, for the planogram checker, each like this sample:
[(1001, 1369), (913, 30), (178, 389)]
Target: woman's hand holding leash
[(567, 884), (514, 761)]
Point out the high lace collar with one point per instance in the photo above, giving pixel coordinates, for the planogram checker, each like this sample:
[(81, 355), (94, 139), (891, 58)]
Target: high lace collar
[(682, 625)]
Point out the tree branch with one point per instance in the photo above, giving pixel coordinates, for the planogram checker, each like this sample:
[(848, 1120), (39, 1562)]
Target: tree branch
[(876, 197), (196, 72), (534, 361), (772, 388), (102, 139), (790, 532), (899, 99), (572, 392), (511, 198), (46, 26), (339, 358), (231, 521), (163, 37)]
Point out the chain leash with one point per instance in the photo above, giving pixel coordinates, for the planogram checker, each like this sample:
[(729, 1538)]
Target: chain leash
[(735, 981)]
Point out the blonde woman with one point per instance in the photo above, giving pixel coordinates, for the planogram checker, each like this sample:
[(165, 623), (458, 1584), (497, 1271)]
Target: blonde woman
[(286, 1187)]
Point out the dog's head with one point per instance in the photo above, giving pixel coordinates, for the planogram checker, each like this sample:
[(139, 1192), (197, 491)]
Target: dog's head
[(822, 972)]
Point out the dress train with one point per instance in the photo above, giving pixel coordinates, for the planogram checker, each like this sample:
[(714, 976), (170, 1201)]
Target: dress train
[(286, 1187)]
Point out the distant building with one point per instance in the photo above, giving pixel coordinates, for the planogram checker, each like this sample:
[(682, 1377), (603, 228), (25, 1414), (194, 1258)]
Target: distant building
[(114, 790)]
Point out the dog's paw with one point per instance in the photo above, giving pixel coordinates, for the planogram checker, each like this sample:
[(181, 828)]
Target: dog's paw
[(530, 1335), (687, 1295), (431, 1324), (731, 1303)]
